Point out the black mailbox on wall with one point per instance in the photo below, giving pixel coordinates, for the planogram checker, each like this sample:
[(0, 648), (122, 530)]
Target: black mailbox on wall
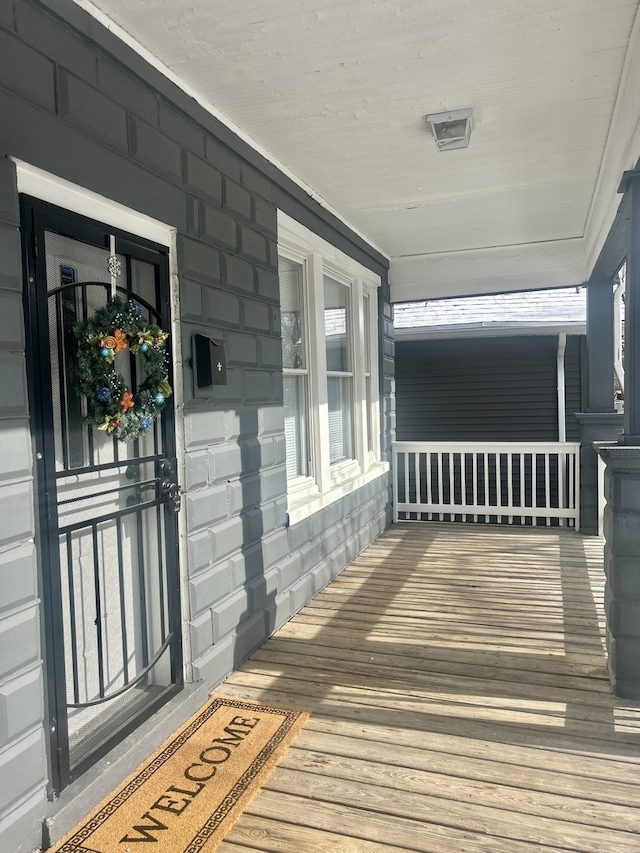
[(208, 362)]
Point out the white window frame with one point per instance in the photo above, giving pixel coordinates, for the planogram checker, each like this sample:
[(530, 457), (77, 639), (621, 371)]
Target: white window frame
[(373, 454), (341, 471), (306, 484), (318, 258)]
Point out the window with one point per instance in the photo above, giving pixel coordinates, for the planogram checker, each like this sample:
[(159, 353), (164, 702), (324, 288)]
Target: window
[(366, 310), (330, 355), (337, 335), (294, 362)]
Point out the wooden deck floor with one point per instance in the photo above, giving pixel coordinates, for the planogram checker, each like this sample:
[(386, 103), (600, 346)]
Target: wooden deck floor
[(459, 700)]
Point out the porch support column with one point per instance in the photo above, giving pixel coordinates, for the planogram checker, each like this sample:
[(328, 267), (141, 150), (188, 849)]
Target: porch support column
[(622, 567), (631, 437), (600, 346), (599, 421), (622, 487)]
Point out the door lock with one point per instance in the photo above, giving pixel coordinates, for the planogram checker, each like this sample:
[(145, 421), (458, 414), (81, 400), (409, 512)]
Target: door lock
[(169, 488)]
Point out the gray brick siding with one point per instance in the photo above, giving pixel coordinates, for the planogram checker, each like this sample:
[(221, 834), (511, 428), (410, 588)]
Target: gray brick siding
[(23, 769), (116, 127)]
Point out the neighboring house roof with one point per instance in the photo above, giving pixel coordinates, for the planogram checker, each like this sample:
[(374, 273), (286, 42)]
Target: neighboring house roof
[(539, 312)]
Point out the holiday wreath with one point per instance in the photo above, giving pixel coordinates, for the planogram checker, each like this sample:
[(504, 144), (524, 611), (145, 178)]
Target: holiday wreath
[(112, 405)]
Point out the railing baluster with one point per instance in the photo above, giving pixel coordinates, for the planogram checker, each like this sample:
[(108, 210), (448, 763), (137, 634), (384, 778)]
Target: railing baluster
[(547, 487), (440, 483), (573, 460), (429, 495), (474, 484), (510, 484), (499, 485), (396, 497), (534, 487), (563, 458), (486, 484), (576, 480), (416, 466), (463, 482), (452, 484), (523, 495)]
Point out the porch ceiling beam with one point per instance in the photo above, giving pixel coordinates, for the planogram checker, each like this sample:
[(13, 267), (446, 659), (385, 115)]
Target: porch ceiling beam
[(490, 330), (604, 230), (614, 249), (499, 269)]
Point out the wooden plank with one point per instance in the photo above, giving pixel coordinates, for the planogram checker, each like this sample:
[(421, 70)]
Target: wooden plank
[(473, 622), (366, 825), (463, 755), (404, 658), (539, 660), (420, 634), (340, 704), (483, 711), (595, 705), (463, 816), (356, 760), (263, 833)]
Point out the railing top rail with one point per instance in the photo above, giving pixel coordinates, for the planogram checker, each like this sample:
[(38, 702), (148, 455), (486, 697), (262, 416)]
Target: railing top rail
[(538, 446)]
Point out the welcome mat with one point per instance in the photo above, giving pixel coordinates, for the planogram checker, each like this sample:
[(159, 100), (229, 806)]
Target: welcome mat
[(188, 795)]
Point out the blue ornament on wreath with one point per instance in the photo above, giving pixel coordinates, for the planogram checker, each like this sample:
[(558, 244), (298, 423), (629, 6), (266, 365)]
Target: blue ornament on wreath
[(144, 347), (145, 424), (158, 399), (103, 395), (105, 352)]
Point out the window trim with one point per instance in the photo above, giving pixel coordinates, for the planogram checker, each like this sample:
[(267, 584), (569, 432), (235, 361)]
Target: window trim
[(318, 258)]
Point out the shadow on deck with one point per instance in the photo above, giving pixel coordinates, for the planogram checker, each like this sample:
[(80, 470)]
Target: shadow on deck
[(460, 702)]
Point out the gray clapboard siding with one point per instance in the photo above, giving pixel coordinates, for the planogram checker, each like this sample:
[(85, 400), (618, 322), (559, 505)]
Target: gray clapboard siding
[(485, 388)]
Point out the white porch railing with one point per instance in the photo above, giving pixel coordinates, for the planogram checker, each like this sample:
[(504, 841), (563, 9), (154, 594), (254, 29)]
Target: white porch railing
[(502, 482)]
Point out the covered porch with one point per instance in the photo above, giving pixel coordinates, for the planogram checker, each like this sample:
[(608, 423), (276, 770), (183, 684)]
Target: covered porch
[(459, 700), (298, 169)]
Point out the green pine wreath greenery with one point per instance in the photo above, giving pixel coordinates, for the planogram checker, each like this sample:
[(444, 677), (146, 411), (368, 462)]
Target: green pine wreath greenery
[(112, 405)]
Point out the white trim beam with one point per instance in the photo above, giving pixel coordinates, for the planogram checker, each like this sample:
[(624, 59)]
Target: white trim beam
[(499, 269)]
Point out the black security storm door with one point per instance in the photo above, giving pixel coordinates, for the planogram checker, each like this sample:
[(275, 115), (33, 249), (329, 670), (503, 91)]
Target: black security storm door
[(107, 509)]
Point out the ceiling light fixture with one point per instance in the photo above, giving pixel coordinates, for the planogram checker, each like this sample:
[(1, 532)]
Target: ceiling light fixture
[(451, 130)]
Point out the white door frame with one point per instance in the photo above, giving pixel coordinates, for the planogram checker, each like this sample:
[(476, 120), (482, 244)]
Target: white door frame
[(36, 182)]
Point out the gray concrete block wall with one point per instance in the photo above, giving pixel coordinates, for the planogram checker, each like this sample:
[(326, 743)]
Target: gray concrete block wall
[(621, 552), (319, 547), (136, 139), (594, 426), (22, 746)]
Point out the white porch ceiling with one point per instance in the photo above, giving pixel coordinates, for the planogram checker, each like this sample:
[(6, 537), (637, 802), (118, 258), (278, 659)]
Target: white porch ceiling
[(337, 91)]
